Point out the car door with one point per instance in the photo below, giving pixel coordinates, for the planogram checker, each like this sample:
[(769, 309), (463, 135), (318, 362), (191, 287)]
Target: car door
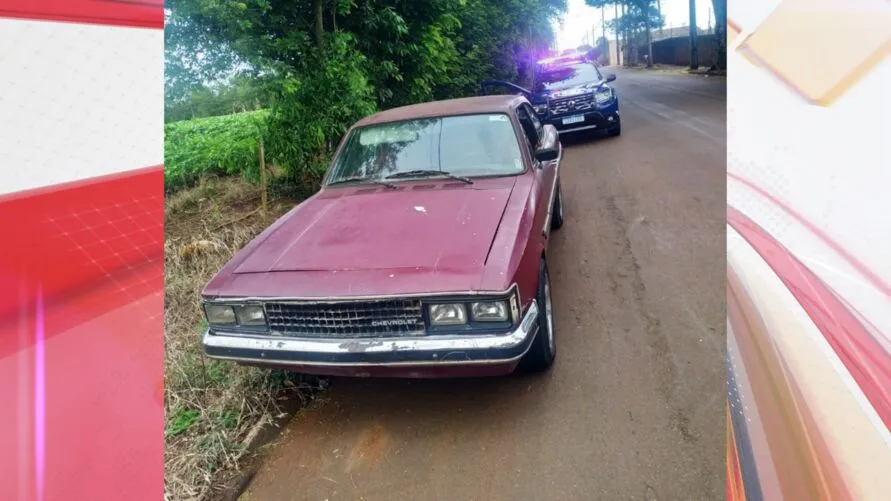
[(545, 174)]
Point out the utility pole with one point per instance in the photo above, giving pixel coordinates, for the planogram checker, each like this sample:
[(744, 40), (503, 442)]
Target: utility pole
[(618, 38), (694, 38), (603, 28), (625, 36)]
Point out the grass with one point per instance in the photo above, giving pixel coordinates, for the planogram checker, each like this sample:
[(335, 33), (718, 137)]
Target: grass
[(213, 410)]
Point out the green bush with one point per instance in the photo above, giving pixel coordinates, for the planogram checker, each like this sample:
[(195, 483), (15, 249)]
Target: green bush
[(313, 110), (226, 145)]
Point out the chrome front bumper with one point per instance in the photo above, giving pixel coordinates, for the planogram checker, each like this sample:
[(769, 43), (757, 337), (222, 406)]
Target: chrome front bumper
[(452, 350)]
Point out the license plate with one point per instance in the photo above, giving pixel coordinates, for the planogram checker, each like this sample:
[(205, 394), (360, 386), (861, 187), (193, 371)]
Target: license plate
[(574, 120)]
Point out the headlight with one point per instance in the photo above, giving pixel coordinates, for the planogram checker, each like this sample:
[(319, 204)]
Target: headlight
[(219, 314), (490, 311), (251, 314), (541, 109), (603, 96), (447, 314)]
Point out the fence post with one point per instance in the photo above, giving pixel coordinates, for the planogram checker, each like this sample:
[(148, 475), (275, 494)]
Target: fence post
[(262, 178)]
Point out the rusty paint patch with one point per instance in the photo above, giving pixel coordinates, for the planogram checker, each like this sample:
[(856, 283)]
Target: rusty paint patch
[(370, 449)]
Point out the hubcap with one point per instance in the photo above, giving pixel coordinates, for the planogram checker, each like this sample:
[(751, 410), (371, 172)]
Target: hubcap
[(549, 312)]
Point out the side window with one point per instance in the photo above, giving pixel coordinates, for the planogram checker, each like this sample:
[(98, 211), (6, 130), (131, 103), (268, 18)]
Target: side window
[(526, 116)]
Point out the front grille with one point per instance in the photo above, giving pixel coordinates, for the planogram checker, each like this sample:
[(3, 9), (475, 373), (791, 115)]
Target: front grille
[(347, 319), (572, 104)]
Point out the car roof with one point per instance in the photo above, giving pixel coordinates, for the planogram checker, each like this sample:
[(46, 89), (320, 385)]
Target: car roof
[(502, 103)]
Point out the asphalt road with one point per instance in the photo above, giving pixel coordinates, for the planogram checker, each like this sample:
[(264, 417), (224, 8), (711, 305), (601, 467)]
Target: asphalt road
[(633, 408)]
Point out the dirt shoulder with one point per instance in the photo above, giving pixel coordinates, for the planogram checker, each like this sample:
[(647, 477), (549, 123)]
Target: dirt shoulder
[(671, 69), (216, 414)]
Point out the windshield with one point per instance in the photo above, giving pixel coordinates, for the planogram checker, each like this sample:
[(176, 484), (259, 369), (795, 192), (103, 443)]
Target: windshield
[(470, 145), (566, 76)]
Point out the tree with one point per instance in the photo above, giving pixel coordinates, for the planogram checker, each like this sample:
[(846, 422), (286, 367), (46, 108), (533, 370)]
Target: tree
[(638, 16), (646, 15), (614, 27), (647, 10), (720, 7), (326, 63)]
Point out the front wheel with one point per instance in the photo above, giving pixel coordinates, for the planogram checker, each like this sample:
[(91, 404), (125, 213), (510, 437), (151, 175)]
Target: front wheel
[(557, 209), (541, 354), (617, 130)]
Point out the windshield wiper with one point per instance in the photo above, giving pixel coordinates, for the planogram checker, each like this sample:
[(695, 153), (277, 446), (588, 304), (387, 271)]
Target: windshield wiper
[(362, 180), (428, 173)]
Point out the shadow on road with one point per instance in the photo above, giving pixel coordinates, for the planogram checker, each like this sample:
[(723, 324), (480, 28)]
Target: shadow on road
[(410, 399), (584, 137)]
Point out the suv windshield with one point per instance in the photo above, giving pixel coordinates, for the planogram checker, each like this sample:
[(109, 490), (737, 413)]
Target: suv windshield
[(566, 76), (469, 145)]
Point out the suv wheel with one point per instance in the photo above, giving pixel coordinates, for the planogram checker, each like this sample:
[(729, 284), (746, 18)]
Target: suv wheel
[(557, 210), (617, 130), (541, 354)]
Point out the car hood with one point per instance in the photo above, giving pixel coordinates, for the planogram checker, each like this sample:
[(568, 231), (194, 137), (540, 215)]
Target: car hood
[(420, 226), (542, 96)]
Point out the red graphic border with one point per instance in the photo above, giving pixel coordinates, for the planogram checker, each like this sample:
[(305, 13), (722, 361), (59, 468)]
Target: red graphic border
[(135, 13)]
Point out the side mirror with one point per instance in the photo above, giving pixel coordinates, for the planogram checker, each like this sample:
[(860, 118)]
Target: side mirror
[(549, 148), (611, 77), (545, 155)]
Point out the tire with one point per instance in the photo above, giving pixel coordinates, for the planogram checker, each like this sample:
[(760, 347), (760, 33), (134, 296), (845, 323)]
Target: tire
[(541, 354), (616, 131), (557, 210)]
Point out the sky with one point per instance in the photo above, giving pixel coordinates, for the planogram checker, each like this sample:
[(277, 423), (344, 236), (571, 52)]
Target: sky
[(580, 19)]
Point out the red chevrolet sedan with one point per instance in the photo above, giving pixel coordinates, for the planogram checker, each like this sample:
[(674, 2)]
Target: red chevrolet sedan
[(424, 254)]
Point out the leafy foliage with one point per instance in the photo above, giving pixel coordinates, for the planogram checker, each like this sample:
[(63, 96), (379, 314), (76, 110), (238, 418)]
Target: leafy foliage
[(243, 92), (319, 65), (217, 145), (314, 109)]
